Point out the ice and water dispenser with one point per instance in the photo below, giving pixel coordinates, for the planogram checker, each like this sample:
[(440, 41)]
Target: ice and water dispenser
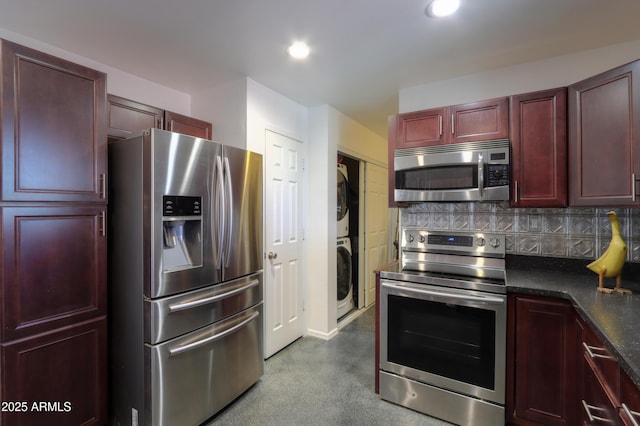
[(182, 232)]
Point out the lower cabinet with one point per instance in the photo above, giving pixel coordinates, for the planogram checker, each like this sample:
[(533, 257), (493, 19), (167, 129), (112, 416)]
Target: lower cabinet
[(56, 378), (598, 376), (559, 372), (541, 374), (629, 401)]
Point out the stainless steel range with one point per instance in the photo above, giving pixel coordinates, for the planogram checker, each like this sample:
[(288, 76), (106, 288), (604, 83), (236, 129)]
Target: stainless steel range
[(443, 326)]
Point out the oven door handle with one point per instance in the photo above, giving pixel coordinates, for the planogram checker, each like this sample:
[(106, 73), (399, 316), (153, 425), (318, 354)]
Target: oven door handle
[(446, 296)]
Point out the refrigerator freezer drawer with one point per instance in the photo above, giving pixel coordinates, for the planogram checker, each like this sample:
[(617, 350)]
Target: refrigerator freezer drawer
[(172, 316), (196, 375)]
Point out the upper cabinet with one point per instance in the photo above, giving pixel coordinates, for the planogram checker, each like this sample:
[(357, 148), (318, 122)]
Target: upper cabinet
[(53, 128), (420, 128), (604, 138), (187, 125), (538, 123), (127, 117), (478, 121)]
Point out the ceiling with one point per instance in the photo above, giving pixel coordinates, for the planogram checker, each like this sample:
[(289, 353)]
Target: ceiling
[(362, 51)]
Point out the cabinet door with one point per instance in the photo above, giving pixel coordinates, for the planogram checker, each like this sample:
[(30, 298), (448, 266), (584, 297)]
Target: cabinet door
[(544, 366), (421, 128), (604, 138), (126, 117), (539, 148), (187, 125), (597, 384), (629, 400), (54, 268), (480, 121), (53, 128), (595, 405), (61, 377)]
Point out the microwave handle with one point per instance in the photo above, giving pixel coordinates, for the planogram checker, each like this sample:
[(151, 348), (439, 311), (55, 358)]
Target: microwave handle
[(480, 173)]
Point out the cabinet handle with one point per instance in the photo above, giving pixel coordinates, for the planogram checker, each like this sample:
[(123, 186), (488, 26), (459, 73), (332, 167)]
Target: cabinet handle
[(102, 183), (592, 418), (631, 414), (633, 186), (440, 125), (515, 191), (590, 350), (453, 125), (103, 224)]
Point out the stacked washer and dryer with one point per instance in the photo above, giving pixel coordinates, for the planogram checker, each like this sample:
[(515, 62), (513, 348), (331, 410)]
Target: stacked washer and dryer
[(344, 266)]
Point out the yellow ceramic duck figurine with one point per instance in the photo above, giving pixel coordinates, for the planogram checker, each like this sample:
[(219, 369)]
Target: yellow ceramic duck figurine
[(610, 264)]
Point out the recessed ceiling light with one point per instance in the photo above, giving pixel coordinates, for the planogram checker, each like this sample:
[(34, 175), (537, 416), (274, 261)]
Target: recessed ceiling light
[(441, 8), (299, 50)]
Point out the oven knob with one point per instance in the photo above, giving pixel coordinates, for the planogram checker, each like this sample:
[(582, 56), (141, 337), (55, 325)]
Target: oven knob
[(495, 243), (481, 242), (421, 239), (410, 238)]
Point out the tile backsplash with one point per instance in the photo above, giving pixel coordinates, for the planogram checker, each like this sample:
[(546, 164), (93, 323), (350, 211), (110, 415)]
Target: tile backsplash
[(581, 233)]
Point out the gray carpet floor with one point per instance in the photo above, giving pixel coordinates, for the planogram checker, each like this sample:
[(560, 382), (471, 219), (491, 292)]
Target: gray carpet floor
[(318, 382)]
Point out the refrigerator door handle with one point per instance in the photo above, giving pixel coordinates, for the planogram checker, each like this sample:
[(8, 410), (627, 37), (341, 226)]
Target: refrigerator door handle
[(207, 300), (218, 219), (199, 343), (229, 215)]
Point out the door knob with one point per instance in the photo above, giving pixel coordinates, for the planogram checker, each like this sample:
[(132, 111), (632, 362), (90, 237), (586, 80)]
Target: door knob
[(272, 255)]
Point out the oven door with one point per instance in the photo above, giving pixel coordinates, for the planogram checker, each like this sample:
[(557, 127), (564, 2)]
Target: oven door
[(449, 338)]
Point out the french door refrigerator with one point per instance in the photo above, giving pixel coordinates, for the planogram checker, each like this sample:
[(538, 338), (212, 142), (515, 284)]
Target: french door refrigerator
[(185, 277)]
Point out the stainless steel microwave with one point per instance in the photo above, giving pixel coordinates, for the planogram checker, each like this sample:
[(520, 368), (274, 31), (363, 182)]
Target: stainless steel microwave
[(473, 171)]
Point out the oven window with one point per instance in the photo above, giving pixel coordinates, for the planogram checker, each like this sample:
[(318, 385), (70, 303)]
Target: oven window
[(452, 341), (438, 178)]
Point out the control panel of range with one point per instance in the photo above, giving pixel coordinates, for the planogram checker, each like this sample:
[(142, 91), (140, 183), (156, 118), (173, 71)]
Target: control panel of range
[(471, 243)]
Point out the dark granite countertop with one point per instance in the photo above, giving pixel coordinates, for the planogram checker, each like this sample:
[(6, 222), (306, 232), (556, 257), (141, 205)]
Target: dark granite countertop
[(612, 316)]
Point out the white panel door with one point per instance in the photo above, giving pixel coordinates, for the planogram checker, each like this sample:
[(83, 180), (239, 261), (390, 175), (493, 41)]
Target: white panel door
[(283, 242), (376, 226)]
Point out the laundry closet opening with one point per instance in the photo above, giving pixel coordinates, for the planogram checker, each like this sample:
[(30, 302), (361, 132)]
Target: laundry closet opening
[(348, 231)]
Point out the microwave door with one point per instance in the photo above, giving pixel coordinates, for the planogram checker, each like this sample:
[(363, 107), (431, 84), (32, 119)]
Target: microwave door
[(452, 176)]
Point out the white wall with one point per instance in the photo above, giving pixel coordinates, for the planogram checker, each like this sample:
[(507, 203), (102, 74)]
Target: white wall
[(225, 106), (546, 74), (354, 139), (119, 82), (321, 307), (268, 109)]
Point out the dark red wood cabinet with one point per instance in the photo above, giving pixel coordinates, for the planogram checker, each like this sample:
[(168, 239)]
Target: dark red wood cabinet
[(541, 373), (53, 225), (126, 117), (629, 401), (421, 128), (472, 122), (53, 128), (598, 376), (559, 372), (61, 373), (175, 122), (538, 129), (604, 138), (479, 121)]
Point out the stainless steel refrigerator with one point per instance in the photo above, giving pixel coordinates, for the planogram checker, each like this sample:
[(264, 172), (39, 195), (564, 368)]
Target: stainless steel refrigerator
[(185, 277)]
